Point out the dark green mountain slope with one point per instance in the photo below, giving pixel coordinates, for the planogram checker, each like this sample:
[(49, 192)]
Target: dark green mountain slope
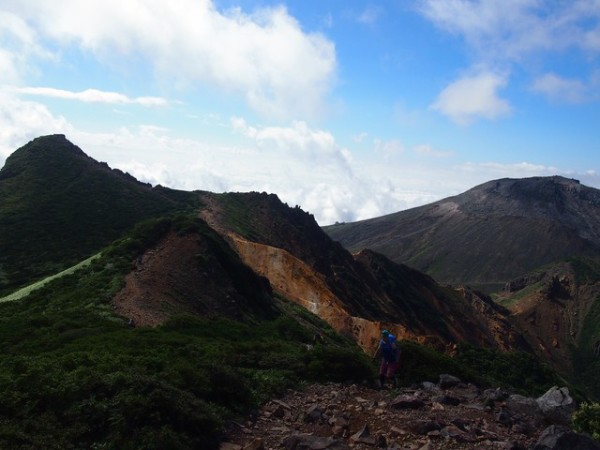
[(59, 206), (488, 235)]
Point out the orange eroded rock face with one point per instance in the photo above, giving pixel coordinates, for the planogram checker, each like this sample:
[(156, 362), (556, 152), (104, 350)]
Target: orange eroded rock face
[(299, 282)]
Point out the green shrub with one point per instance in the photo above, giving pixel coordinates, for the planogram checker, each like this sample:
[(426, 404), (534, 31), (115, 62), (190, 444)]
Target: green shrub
[(587, 420), (518, 370)]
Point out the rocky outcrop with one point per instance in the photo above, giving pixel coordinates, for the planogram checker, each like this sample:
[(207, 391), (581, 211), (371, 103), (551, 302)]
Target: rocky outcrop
[(561, 438), (427, 416), (557, 406)]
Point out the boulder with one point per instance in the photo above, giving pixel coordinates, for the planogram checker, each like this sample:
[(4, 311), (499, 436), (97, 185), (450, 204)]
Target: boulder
[(407, 402), (495, 395), (557, 406), (446, 400), (449, 381), (557, 437), (524, 406)]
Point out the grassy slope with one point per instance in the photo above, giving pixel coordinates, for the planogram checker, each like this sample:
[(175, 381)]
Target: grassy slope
[(72, 375)]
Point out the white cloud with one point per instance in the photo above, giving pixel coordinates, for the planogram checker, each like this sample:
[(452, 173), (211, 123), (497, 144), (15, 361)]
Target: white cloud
[(561, 89), (92, 96), (472, 97), (21, 121), (512, 29), (388, 149), (281, 70), (297, 140), (18, 44), (303, 166)]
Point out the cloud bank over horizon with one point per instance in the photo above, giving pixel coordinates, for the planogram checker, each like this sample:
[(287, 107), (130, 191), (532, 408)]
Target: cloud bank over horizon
[(350, 113)]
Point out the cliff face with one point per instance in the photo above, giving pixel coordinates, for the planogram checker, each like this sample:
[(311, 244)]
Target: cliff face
[(297, 281)]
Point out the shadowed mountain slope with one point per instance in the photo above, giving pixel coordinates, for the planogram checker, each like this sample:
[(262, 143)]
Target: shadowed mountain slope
[(59, 206), (557, 308), (488, 235), (357, 295)]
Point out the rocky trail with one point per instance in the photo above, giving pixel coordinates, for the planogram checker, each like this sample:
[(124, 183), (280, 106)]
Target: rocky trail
[(448, 415)]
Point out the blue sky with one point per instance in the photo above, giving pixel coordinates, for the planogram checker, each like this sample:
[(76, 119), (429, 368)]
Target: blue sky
[(349, 109)]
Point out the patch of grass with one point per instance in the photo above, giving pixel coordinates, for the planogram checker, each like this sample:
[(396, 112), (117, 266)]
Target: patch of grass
[(32, 287), (517, 296)]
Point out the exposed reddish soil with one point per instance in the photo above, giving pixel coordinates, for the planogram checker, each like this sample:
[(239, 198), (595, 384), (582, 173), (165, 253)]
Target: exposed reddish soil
[(181, 275), (146, 298)]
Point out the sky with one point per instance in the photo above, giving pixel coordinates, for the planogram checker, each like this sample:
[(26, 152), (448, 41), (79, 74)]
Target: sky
[(349, 109)]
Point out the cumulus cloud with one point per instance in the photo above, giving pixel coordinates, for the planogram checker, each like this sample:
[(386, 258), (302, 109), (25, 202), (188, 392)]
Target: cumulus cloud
[(92, 96), (281, 70), (472, 97), (22, 121), (18, 44), (298, 140)]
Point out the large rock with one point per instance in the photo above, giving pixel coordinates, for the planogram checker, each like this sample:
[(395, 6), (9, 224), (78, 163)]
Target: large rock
[(524, 406), (449, 381), (557, 406), (561, 438), (407, 402)]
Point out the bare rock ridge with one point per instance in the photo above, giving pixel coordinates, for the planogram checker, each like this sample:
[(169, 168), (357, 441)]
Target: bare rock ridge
[(447, 415)]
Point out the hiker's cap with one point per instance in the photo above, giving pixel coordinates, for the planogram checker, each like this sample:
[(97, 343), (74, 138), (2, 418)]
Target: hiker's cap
[(385, 333)]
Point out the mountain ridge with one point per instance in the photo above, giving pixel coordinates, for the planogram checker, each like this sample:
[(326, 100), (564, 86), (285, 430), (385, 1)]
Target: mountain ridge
[(66, 205), (488, 235), (203, 306)]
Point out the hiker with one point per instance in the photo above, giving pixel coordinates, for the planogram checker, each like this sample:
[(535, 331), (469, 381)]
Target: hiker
[(390, 358)]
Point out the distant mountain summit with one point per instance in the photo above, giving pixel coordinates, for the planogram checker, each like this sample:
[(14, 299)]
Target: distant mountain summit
[(488, 235), (59, 206)]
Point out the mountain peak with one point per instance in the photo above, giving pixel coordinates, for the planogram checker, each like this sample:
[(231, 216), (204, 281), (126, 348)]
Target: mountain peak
[(58, 195), (41, 156), (489, 234)]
